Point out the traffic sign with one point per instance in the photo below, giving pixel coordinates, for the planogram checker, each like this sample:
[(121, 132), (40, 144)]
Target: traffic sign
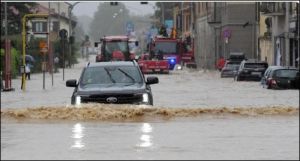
[(129, 27), (43, 44)]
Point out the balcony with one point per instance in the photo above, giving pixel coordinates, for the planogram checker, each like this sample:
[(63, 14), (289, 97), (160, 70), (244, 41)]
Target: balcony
[(273, 8)]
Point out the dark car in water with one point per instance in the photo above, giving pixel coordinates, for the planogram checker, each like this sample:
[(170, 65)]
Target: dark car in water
[(117, 82), (264, 78), (251, 70), (230, 68), (282, 78)]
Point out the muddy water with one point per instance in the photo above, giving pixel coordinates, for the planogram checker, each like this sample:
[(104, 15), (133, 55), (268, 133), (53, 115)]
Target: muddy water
[(196, 116), (131, 132), (104, 112), (207, 137)]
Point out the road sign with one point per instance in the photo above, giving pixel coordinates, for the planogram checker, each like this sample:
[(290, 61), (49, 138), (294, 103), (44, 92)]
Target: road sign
[(43, 44), (226, 33), (129, 27)]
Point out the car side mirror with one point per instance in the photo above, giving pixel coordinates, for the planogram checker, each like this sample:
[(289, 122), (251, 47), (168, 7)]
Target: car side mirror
[(152, 80), (71, 83)]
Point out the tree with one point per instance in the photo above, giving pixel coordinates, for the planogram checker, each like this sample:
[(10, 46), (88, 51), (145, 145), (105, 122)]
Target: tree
[(168, 7), (104, 22), (15, 13)]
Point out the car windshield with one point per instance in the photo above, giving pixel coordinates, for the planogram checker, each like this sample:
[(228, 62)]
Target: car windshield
[(110, 75), (232, 65), (286, 73), (166, 47), (256, 65), (116, 46)]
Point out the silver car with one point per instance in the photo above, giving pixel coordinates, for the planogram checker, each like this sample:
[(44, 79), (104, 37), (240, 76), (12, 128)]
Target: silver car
[(229, 69)]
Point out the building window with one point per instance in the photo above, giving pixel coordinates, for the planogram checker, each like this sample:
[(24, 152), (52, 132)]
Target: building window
[(55, 26), (39, 26)]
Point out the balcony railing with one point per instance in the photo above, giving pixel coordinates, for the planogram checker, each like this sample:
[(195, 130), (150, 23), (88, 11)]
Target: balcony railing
[(273, 8)]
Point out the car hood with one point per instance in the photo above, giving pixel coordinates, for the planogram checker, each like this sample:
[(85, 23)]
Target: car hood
[(112, 88)]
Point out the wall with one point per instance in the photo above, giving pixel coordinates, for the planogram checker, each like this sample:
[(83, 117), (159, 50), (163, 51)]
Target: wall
[(205, 49), (266, 50)]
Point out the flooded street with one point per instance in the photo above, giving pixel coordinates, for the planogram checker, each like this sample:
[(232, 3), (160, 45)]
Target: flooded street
[(196, 115), (208, 137)]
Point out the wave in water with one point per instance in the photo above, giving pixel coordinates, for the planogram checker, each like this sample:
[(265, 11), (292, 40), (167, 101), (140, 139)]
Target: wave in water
[(105, 112)]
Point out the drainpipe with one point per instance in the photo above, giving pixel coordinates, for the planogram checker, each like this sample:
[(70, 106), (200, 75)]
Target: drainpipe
[(287, 40)]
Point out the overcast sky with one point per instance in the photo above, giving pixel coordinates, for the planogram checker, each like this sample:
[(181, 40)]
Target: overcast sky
[(89, 8)]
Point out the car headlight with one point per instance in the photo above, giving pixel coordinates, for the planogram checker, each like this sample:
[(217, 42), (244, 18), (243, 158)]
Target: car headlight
[(145, 97), (78, 100), (179, 67)]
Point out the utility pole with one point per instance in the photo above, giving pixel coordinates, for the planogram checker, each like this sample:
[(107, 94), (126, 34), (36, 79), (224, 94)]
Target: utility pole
[(163, 12), (181, 20), (7, 70), (70, 8), (205, 46), (49, 47)]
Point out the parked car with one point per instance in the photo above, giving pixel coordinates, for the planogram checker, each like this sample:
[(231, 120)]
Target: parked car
[(282, 78), (251, 70), (266, 74), (230, 68), (118, 82)]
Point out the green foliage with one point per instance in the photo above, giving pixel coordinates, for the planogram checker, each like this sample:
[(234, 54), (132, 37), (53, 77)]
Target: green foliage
[(15, 19), (15, 56), (168, 6)]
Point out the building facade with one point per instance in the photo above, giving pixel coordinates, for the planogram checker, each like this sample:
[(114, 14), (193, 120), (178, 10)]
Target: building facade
[(282, 39), (59, 18), (225, 27)]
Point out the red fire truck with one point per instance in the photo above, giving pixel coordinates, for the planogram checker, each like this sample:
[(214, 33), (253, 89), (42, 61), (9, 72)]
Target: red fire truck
[(174, 51), (114, 48), (150, 64)]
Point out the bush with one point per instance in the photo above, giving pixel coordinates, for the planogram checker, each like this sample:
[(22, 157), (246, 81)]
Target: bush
[(15, 55)]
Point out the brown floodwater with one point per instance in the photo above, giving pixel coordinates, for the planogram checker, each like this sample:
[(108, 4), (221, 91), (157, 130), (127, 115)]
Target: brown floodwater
[(96, 131)]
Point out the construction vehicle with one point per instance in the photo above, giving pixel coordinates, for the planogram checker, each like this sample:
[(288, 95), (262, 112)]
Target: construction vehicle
[(114, 48)]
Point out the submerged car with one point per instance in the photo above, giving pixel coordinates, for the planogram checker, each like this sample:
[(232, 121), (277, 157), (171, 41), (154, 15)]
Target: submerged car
[(251, 70), (229, 69), (264, 78), (117, 82), (282, 78)]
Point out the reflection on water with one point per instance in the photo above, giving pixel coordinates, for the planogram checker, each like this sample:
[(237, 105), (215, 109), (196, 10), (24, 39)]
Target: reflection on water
[(77, 135), (146, 138)]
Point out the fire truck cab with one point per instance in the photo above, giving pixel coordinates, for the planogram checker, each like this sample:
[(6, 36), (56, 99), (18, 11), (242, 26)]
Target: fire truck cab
[(172, 50), (114, 48)]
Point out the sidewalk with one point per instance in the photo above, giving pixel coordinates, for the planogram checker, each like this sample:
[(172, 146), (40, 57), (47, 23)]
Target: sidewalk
[(34, 94)]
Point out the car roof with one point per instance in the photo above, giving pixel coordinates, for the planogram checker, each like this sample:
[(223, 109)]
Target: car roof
[(254, 61), (275, 67), (117, 37), (112, 63), (292, 68)]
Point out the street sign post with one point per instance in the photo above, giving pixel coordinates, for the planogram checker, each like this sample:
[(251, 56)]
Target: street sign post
[(43, 49), (129, 27)]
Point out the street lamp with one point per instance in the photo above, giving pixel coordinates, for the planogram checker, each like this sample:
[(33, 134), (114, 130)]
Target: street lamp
[(70, 8)]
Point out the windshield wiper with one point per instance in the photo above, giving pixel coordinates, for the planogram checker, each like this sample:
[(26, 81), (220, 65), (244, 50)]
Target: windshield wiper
[(110, 77), (127, 75)]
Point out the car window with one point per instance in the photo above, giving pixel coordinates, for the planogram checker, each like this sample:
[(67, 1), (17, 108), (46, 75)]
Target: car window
[(286, 73), (256, 65)]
